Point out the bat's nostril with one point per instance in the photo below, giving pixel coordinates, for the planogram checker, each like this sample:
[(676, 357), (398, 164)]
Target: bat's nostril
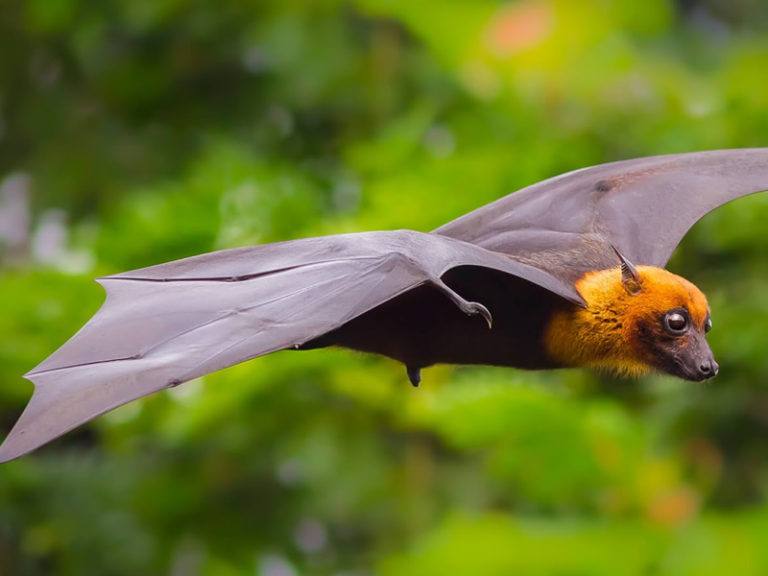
[(708, 368)]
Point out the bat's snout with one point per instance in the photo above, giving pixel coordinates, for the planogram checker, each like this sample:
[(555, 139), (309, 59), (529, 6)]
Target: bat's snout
[(708, 368), (696, 362)]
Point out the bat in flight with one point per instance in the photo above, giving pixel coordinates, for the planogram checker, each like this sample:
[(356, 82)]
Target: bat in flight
[(564, 273)]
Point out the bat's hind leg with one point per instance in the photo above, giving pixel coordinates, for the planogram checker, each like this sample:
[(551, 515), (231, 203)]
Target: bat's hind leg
[(414, 375)]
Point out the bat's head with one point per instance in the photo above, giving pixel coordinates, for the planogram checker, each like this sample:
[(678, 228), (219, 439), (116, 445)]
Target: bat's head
[(667, 322), (637, 320)]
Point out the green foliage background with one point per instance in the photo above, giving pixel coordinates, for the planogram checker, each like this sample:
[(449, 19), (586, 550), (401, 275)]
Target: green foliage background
[(161, 129)]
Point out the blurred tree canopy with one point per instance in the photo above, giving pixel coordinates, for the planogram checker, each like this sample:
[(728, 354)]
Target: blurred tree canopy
[(135, 132)]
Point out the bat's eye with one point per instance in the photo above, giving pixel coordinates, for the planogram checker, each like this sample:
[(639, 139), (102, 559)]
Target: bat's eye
[(708, 325), (675, 322)]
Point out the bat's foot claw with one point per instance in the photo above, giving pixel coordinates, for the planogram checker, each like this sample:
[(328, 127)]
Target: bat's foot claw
[(414, 375), (469, 308)]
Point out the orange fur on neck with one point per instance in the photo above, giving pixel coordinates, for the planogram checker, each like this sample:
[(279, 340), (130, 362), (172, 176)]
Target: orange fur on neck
[(605, 334)]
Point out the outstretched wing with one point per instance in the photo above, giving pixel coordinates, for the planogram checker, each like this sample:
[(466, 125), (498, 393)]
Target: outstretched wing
[(644, 207), (164, 325)]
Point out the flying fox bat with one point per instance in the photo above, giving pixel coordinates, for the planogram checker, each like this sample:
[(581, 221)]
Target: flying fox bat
[(567, 272)]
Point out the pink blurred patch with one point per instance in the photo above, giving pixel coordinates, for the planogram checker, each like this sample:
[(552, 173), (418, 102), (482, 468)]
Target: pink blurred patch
[(673, 507), (519, 27)]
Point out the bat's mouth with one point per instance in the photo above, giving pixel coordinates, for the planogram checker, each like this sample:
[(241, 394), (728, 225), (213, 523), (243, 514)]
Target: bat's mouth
[(695, 369)]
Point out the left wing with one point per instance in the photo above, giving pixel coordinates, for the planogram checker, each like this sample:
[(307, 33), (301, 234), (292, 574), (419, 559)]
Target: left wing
[(164, 325)]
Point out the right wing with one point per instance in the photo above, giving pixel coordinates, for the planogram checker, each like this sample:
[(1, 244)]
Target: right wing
[(164, 325), (571, 223)]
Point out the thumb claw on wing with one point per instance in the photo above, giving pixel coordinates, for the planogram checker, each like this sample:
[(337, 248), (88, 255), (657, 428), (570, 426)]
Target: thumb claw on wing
[(478, 308), (469, 308)]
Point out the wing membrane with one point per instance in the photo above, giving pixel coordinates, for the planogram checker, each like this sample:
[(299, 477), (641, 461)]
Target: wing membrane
[(644, 207), (167, 324)]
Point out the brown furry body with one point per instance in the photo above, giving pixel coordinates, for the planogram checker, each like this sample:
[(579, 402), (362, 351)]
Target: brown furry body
[(617, 331)]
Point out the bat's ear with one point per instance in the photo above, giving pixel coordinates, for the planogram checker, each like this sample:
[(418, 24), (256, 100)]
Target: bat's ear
[(630, 277)]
